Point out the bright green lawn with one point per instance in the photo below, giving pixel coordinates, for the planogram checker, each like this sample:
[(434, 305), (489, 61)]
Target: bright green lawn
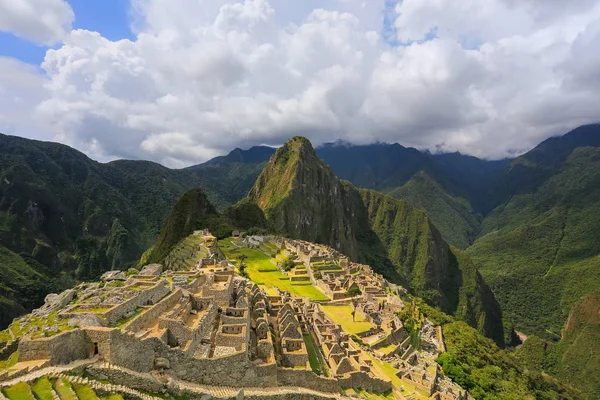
[(342, 315), (42, 389), (263, 272), (313, 357), (113, 397), (63, 388), (18, 391), (84, 392)]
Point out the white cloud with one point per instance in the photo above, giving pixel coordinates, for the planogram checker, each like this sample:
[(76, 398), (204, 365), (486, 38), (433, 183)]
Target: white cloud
[(21, 90), (204, 77), (41, 21)]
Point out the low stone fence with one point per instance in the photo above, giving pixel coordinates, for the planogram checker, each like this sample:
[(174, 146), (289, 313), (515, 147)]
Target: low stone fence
[(122, 377), (307, 379), (365, 381)]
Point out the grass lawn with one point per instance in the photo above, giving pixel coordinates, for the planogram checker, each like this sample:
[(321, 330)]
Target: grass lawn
[(342, 315), (113, 397), (387, 349), (19, 391), (84, 392), (42, 389), (313, 357), (263, 272), (63, 388)]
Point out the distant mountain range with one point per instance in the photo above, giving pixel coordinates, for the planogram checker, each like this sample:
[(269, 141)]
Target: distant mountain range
[(531, 225)]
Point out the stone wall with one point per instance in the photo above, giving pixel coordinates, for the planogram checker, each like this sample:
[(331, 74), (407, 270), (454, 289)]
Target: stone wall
[(365, 381), (295, 359), (264, 349), (153, 313), (144, 297), (60, 349), (307, 379), (100, 337), (132, 353)]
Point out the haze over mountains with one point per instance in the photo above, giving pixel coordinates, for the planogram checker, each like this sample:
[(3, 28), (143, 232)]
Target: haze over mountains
[(529, 225)]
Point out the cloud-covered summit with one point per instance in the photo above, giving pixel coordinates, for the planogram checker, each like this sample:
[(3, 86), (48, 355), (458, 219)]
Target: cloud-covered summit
[(486, 78)]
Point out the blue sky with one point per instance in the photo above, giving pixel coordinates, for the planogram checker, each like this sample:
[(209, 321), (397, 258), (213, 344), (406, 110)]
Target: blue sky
[(108, 17)]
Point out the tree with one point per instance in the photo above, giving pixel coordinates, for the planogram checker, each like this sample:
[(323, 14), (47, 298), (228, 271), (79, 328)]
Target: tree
[(354, 294)]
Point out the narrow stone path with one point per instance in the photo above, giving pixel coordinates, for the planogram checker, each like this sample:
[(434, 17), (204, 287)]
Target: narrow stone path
[(53, 371)]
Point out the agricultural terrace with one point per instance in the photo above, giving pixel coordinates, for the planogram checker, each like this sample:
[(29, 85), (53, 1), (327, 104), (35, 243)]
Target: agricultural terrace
[(342, 315), (263, 271)]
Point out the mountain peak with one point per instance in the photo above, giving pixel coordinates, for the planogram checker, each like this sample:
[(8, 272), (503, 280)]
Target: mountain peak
[(282, 172)]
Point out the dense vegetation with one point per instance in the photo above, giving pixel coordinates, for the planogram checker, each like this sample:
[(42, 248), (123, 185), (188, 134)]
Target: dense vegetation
[(575, 358), (443, 276), (539, 251), (191, 212), (480, 366)]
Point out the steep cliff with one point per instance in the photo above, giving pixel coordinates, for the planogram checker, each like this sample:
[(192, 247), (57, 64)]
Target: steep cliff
[(441, 274), (301, 197)]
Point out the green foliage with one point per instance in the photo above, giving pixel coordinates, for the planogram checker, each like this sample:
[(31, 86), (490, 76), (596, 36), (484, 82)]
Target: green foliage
[(574, 359), (442, 275), (246, 215), (288, 264), (452, 215), (192, 212), (539, 251), (478, 365)]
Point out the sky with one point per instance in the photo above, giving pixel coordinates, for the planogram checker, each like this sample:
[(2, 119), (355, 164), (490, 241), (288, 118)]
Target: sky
[(181, 81)]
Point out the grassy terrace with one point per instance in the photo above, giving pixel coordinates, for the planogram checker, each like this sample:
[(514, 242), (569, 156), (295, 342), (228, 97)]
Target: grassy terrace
[(342, 315), (313, 355), (265, 273)]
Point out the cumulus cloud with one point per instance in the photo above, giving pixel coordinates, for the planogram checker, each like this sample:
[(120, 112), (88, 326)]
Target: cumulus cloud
[(21, 90), (486, 78), (41, 21)]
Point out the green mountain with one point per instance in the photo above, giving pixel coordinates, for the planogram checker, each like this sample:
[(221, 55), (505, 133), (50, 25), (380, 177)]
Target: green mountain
[(454, 190), (64, 216), (300, 197), (575, 359), (455, 216), (227, 179), (191, 212), (441, 274), (539, 249)]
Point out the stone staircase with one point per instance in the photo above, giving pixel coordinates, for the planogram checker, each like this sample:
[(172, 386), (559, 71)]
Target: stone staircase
[(227, 392), (54, 370)]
